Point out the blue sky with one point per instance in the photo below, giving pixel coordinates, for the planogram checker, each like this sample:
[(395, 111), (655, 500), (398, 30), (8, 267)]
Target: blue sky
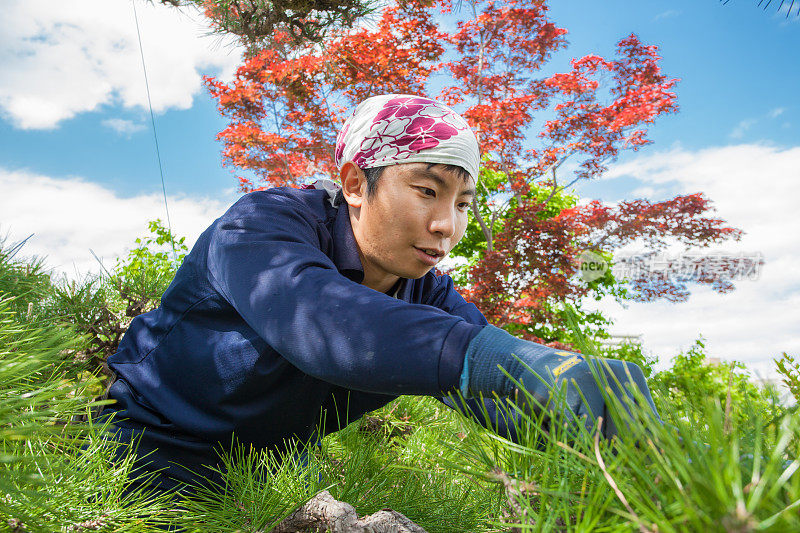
[(78, 167), (738, 66)]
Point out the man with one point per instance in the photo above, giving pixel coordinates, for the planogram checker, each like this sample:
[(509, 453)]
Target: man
[(298, 302)]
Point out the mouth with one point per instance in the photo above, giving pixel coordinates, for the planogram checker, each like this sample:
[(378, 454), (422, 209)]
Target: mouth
[(429, 256)]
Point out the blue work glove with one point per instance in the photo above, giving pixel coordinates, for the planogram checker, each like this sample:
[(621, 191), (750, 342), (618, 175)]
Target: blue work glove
[(493, 348)]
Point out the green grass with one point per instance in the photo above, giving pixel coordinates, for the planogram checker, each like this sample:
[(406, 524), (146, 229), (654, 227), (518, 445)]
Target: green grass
[(448, 474), (715, 464)]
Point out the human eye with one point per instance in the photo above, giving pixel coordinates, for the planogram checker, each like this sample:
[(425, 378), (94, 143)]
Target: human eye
[(464, 206), (427, 191)]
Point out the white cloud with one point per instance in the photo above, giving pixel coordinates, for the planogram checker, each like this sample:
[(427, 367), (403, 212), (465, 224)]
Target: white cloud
[(123, 126), (670, 13), (68, 217), (72, 56), (778, 111), (740, 129), (648, 192), (755, 188)]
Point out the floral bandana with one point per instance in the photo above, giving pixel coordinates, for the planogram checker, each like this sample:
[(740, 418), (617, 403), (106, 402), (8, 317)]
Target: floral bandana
[(400, 128)]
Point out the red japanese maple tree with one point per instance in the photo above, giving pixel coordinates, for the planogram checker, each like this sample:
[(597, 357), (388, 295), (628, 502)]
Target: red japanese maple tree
[(537, 254), (286, 105)]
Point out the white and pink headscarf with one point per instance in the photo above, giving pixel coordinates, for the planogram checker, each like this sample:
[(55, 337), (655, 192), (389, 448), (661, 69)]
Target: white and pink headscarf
[(400, 128)]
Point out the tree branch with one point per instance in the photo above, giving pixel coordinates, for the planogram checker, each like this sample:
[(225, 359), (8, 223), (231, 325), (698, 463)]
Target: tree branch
[(555, 187), (487, 231)]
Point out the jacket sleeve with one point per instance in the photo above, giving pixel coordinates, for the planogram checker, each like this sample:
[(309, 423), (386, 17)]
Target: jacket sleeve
[(265, 258), (489, 413)]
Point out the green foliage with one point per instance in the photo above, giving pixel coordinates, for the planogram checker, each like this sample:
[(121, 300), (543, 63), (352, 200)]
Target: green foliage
[(101, 308), (261, 488), (396, 471), (692, 382), (258, 23), (97, 308), (594, 323), (714, 465), (147, 271), (699, 470), (34, 394), (27, 280), (54, 338), (629, 351), (80, 486), (367, 464), (789, 368), (493, 207), (473, 245), (55, 474)]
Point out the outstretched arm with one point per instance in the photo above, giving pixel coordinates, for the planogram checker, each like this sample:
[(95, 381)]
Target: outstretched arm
[(266, 260), (489, 413)]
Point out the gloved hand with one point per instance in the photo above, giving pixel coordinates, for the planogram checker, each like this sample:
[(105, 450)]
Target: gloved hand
[(493, 348)]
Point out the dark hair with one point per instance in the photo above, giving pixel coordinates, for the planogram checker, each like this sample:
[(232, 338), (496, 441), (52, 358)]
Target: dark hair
[(374, 173)]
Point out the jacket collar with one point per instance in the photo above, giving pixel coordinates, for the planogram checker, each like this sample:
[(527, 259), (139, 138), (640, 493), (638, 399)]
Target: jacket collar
[(346, 258), (345, 248)]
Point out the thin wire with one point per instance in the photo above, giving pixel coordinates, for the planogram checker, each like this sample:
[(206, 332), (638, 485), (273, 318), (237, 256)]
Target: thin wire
[(153, 123)]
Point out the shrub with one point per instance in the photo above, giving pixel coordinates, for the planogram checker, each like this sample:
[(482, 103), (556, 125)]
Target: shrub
[(789, 368), (101, 308), (692, 381), (724, 459), (55, 474)]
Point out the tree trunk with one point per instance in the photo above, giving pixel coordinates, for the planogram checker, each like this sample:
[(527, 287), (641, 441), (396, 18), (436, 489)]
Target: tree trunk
[(487, 231)]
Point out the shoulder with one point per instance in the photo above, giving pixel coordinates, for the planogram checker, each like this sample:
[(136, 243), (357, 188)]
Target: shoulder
[(309, 204), (274, 213)]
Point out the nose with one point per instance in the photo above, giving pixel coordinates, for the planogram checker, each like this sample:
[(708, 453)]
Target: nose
[(443, 222)]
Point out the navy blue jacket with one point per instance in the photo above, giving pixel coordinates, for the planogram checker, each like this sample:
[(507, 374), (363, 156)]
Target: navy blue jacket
[(266, 325)]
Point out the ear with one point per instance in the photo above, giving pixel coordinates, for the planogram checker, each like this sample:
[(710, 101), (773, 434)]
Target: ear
[(354, 184)]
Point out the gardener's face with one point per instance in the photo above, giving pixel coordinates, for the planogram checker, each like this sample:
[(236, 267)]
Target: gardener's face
[(413, 219)]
